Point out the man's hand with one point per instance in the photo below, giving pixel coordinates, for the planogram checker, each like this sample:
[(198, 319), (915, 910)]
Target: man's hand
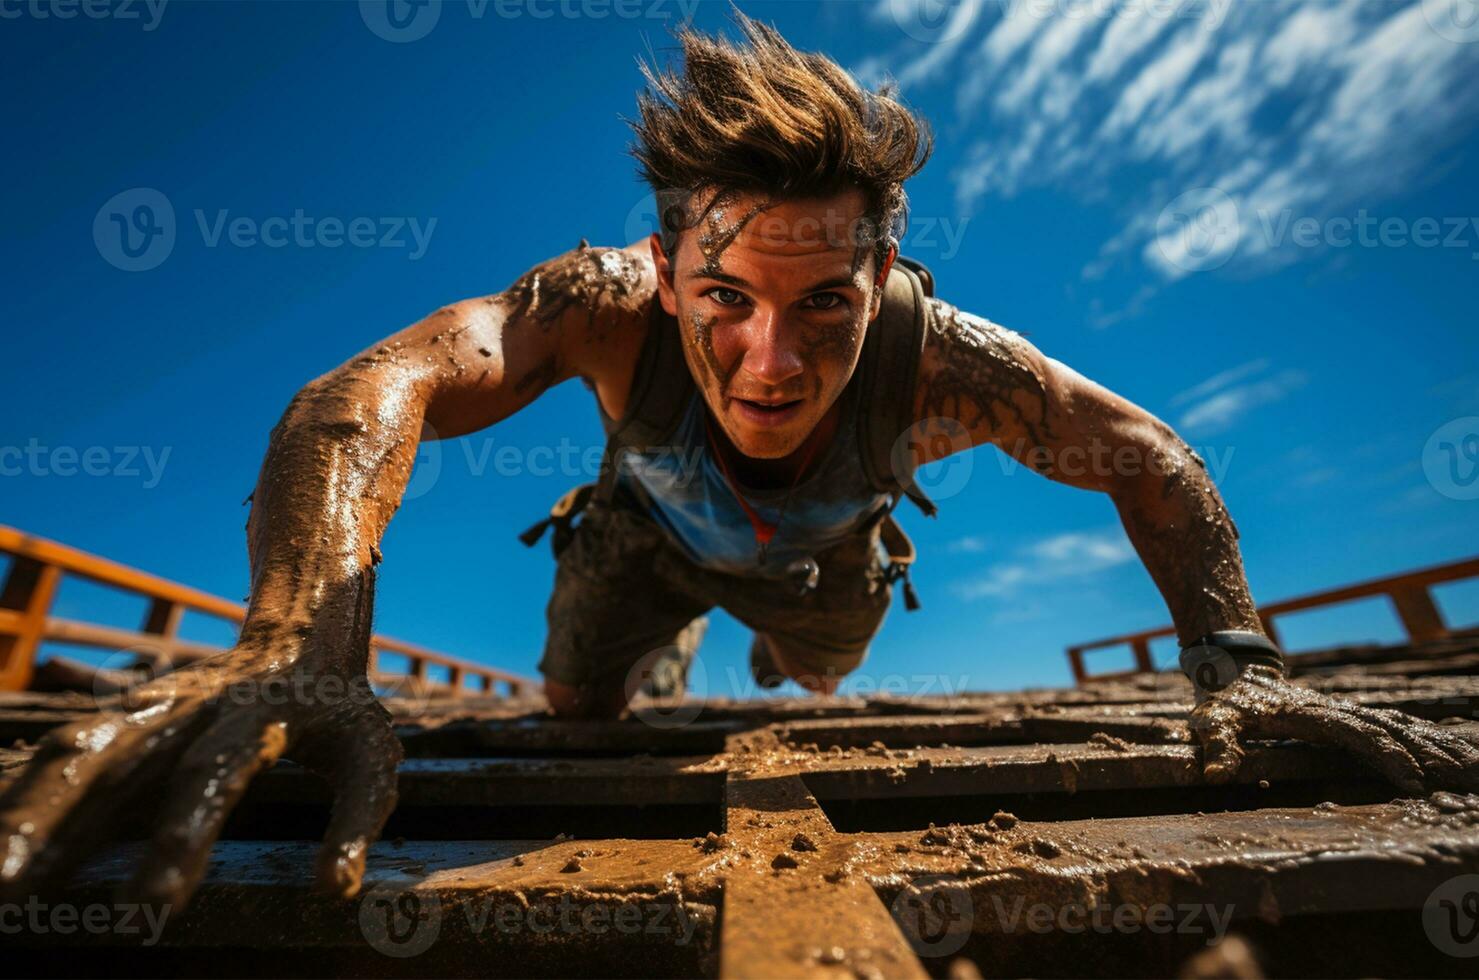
[(1416, 755), (191, 741)]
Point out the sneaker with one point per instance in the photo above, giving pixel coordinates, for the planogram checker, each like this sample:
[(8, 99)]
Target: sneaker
[(762, 664), (667, 677)]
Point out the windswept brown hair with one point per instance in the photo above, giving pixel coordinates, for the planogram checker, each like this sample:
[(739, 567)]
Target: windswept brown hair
[(761, 116)]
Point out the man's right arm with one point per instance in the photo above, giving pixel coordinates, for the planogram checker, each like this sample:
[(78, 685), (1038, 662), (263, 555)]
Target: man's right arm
[(335, 469)]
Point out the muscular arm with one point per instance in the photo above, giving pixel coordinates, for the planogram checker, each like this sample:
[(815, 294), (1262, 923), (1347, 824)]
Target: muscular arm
[(340, 458), (295, 684), (1062, 425), (981, 384)]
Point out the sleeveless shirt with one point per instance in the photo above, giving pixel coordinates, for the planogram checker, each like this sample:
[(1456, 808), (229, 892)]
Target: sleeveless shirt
[(684, 490)]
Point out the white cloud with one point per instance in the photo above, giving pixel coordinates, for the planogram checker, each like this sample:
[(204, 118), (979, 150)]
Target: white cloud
[(1219, 404), (1071, 555), (1311, 109), (1220, 380)]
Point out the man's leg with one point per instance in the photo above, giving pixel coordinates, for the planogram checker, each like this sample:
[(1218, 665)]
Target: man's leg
[(617, 612)]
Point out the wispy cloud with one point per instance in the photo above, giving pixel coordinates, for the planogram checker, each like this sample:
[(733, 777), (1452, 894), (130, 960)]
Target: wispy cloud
[(1280, 108), (1224, 398), (1220, 380), (1071, 555)]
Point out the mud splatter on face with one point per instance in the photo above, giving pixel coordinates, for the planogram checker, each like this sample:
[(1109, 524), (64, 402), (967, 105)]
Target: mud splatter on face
[(719, 233), (703, 336)]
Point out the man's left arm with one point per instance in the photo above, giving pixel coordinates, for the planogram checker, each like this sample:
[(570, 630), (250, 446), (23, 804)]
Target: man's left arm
[(981, 383)]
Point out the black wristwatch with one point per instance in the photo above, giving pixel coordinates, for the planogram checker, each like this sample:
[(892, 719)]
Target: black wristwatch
[(1217, 659)]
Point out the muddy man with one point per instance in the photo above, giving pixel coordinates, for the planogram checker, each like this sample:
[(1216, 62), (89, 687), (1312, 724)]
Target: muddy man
[(757, 363)]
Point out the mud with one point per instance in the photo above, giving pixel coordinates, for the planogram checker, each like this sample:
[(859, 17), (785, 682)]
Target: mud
[(336, 466)]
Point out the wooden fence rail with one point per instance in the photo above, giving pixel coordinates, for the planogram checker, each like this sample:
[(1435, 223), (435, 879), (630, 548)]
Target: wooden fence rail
[(38, 566), (1409, 593)]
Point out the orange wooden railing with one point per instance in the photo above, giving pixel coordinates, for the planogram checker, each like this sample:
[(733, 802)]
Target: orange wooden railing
[(1408, 592), (37, 568)]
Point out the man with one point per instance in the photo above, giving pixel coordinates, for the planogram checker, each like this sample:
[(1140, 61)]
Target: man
[(770, 333)]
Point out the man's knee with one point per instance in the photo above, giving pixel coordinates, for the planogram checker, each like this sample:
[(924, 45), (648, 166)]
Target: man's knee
[(584, 701), (812, 674)]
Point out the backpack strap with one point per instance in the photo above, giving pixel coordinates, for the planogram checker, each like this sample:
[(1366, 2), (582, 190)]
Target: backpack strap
[(888, 369), (661, 388)]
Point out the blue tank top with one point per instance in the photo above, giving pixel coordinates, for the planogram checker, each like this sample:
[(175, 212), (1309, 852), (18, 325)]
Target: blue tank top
[(684, 490)]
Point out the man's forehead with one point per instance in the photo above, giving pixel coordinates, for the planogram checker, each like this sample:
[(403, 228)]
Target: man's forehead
[(772, 222), (823, 233)]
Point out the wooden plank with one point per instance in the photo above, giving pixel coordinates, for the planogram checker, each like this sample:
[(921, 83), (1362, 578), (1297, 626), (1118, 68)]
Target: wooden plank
[(847, 931)]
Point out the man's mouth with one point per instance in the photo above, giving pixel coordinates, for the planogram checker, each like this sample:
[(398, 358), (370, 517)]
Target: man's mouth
[(767, 413)]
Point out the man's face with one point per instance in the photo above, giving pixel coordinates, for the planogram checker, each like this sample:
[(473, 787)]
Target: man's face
[(773, 299)]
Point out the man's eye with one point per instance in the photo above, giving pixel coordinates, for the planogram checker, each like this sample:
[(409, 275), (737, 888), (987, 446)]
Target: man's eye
[(725, 297), (824, 301)]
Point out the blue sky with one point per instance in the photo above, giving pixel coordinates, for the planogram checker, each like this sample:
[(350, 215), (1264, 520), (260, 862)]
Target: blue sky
[(1256, 220)]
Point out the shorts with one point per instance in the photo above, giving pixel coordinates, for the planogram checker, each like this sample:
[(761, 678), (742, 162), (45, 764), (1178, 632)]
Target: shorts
[(625, 592)]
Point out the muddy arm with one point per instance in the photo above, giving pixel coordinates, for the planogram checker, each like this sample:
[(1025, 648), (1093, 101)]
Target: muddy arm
[(295, 684), (1005, 392), (991, 386)]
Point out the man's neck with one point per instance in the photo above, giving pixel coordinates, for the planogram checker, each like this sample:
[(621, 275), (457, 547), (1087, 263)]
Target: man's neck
[(771, 474)]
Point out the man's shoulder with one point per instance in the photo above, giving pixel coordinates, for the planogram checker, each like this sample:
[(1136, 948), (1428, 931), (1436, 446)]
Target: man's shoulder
[(604, 300)]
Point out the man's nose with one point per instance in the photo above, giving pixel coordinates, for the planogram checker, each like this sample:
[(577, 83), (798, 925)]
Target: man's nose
[(771, 357)]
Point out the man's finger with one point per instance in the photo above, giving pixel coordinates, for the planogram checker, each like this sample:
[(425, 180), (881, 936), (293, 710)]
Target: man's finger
[(1361, 736), (364, 780), (213, 775), (1218, 726), (70, 794), (1447, 759)]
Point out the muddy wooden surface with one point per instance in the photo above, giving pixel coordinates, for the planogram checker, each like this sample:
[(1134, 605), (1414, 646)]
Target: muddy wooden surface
[(843, 837)]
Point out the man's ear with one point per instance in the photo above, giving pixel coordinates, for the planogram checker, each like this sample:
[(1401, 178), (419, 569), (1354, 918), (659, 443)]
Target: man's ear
[(882, 279), (666, 294)]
